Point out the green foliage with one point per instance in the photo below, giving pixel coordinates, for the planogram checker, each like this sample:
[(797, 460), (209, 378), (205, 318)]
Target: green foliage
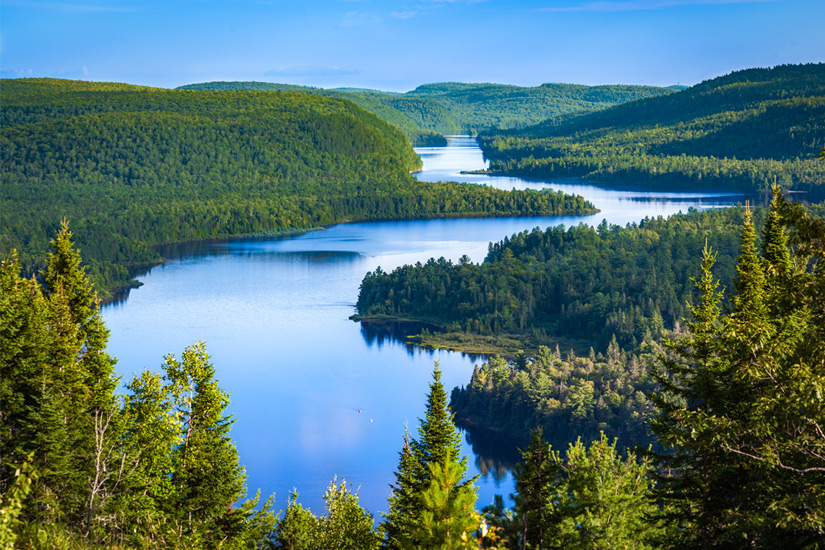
[(736, 131), (400, 522), (297, 530), (590, 498), (448, 517), (346, 525), (535, 516), (740, 409), (11, 505), (603, 501), (568, 398), (206, 474), (421, 506), (134, 168), (430, 110), (155, 468), (581, 283)]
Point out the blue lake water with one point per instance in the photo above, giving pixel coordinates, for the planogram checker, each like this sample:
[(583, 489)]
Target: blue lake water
[(274, 315)]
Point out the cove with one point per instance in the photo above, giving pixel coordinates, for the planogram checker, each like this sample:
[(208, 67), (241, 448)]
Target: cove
[(274, 315)]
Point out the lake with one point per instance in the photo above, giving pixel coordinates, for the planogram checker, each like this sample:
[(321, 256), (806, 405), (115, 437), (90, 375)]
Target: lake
[(274, 315)]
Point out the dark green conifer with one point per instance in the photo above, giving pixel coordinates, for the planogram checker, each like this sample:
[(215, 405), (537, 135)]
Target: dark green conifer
[(438, 440), (534, 499), (404, 501)]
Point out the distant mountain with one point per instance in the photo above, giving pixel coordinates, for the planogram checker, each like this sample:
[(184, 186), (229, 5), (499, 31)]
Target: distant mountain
[(133, 167), (452, 107), (735, 131)]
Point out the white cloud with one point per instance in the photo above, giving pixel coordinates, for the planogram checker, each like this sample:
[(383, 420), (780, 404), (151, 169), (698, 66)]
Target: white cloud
[(359, 18)]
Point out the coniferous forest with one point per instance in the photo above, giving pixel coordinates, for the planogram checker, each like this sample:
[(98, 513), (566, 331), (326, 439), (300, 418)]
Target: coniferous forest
[(136, 167), (429, 111), (666, 378), (737, 131), (734, 430)]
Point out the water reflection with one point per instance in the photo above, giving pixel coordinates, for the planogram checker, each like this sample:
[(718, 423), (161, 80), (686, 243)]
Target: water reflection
[(496, 453), (377, 333), (275, 311)]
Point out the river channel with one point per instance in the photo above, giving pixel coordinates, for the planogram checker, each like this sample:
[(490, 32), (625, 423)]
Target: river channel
[(313, 394)]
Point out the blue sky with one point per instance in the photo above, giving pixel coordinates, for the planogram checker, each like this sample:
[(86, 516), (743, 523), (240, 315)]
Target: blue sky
[(399, 44)]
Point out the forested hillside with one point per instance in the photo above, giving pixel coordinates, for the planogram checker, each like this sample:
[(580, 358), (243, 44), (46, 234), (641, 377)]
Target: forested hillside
[(449, 108), (735, 131), (134, 167)]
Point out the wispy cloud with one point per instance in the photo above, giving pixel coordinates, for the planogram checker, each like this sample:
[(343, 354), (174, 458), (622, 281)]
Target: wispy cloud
[(404, 14), (68, 6), (638, 5), (16, 73), (311, 71), (359, 18)]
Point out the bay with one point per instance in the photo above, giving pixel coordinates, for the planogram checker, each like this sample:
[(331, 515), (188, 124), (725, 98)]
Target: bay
[(313, 394)]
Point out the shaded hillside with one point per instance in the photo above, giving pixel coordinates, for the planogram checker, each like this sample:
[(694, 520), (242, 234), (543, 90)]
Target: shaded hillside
[(135, 167), (735, 131)]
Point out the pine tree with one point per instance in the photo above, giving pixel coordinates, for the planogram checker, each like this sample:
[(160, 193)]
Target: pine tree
[(404, 501), (533, 498), (739, 411), (448, 517), (207, 477), (346, 525), (438, 444)]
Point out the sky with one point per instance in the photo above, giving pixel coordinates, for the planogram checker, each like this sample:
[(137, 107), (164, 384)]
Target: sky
[(396, 45)]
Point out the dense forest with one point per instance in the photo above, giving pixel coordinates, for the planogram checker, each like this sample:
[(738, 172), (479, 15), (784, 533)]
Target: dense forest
[(429, 111), (579, 286), (135, 167), (735, 413), (735, 131), (590, 307)]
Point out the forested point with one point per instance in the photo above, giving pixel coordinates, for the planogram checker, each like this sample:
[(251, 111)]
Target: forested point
[(737, 131), (134, 167), (431, 110), (580, 311), (735, 412)]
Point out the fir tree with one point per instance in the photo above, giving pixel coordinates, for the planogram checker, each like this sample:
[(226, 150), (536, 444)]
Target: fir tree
[(404, 501), (533, 499), (438, 440), (738, 411), (346, 525), (448, 517), (206, 474)]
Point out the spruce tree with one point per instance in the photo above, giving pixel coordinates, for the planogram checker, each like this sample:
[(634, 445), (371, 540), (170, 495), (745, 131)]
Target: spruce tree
[(438, 439), (438, 445), (207, 477), (404, 500), (738, 411), (533, 498)]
